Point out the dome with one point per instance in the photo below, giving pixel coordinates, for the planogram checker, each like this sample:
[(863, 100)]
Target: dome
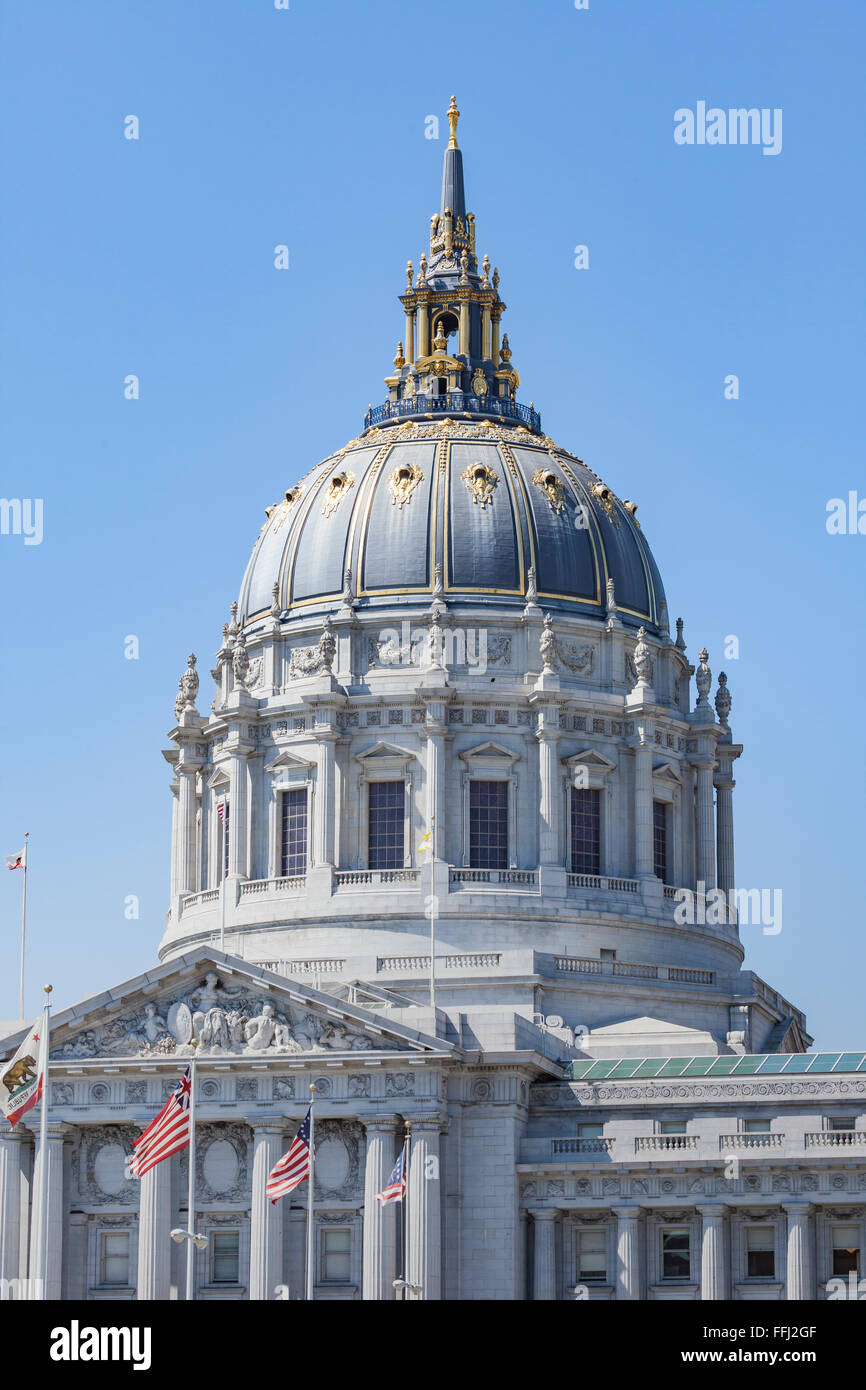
[(486, 502)]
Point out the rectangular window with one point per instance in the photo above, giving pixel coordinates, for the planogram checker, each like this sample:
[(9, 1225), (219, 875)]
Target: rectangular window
[(756, 1126), (590, 1131), (676, 1253), (386, 804), (293, 859), (760, 1252), (605, 954), (488, 825), (672, 1127), (225, 1257), (336, 1253), (114, 1258), (842, 1122), (591, 1256), (845, 1241), (660, 840), (585, 831)]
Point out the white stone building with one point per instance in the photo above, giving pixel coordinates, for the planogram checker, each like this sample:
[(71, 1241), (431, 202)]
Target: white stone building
[(449, 708)]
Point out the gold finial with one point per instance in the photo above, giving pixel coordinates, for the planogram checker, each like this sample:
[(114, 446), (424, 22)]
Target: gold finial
[(399, 359), (453, 117), (409, 273), (48, 989), (312, 1088)]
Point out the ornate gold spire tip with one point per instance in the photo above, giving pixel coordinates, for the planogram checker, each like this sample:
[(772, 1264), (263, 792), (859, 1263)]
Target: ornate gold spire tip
[(453, 118)]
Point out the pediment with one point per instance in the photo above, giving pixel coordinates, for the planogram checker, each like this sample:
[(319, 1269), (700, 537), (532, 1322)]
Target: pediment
[(490, 750), (667, 772), (229, 1008), (384, 751), (291, 762), (590, 757)]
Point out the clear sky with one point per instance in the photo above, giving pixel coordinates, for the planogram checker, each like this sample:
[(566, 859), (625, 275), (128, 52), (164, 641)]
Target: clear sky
[(306, 127)]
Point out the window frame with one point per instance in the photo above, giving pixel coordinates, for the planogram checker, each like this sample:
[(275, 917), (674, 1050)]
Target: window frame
[(213, 1233), (385, 762), (593, 772), (321, 1265), (597, 796), (592, 1280), (103, 1237), (750, 1228), (670, 1228), (284, 793), (492, 762)]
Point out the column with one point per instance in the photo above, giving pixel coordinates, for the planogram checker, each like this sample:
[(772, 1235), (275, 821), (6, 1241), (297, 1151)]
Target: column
[(380, 1218), (238, 867), (423, 331), (714, 1252), (11, 1150), (464, 326), (52, 1272), (154, 1227), (494, 347), (410, 336), (424, 1263), (628, 1274), (436, 789), (725, 833), (706, 828), (550, 795), (485, 332), (801, 1252), (643, 804), (186, 829), (325, 800), (266, 1221), (544, 1264)]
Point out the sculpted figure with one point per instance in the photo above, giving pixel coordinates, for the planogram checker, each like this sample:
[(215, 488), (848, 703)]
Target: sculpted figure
[(260, 1031)]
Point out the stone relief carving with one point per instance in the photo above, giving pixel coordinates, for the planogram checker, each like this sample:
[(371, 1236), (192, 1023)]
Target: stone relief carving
[(399, 1084), (338, 1173), (359, 1085), (218, 1019), (574, 657), (99, 1165), (61, 1093), (284, 1088), (208, 1135), (307, 661), (136, 1091)]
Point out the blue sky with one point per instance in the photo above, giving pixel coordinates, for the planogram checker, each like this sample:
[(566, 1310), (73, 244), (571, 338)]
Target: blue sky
[(306, 127)]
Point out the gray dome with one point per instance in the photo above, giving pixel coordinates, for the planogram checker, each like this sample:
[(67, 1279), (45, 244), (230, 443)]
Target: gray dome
[(484, 501)]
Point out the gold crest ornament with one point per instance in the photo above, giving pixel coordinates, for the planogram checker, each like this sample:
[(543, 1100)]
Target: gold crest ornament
[(339, 484), (479, 383), (606, 498), (403, 482), (552, 487), (480, 481)]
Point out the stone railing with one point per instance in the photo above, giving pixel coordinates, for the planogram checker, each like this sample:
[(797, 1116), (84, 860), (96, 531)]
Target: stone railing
[(303, 967), (520, 878), (665, 1143), (596, 1145), (361, 878), (751, 1141), (273, 885), (835, 1138), (210, 895), (603, 882), (466, 960), (778, 1001), (580, 965)]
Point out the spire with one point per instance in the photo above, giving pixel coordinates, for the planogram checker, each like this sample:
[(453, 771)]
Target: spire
[(453, 196)]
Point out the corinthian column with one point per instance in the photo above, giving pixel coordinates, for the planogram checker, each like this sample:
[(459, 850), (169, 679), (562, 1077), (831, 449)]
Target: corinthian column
[(50, 1173), (425, 1221), (544, 1281), (548, 733), (326, 800), (266, 1221), (628, 1273), (706, 858), (10, 1206), (238, 866), (185, 863), (643, 803), (154, 1225), (380, 1245), (801, 1252), (714, 1255), (725, 833)]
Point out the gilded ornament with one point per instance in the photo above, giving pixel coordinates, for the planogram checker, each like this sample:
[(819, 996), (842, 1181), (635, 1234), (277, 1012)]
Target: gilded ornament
[(552, 487), (606, 498), (480, 481), (339, 484), (479, 382), (403, 482)]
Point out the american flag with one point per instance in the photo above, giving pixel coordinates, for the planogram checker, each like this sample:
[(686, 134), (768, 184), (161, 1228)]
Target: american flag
[(294, 1166), (165, 1134), (396, 1189)]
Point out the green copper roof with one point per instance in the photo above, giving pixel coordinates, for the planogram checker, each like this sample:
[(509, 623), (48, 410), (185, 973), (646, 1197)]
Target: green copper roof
[(764, 1064)]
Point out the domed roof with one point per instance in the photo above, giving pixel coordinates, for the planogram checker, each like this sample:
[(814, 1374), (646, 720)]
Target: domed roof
[(486, 502)]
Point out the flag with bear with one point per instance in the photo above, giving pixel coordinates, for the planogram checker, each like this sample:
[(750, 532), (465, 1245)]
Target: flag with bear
[(21, 1079)]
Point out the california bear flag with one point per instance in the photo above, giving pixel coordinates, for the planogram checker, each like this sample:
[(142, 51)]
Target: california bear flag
[(22, 1077)]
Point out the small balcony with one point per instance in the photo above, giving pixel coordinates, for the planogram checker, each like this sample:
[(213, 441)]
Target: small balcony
[(836, 1139), (454, 403), (665, 1143), (596, 1145), (751, 1141)]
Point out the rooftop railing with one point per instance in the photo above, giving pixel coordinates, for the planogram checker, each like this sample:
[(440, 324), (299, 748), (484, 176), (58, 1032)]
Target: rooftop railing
[(454, 403)]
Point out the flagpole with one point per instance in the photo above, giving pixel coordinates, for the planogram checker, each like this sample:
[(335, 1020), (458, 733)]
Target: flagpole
[(310, 1242), (42, 1255), (433, 906), (408, 1146), (190, 1200), (23, 927)]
